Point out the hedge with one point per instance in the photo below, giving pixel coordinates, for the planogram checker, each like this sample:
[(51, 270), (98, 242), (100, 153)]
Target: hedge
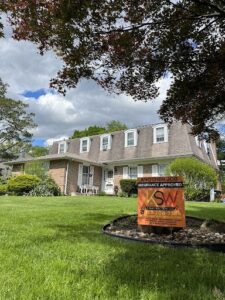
[(128, 186)]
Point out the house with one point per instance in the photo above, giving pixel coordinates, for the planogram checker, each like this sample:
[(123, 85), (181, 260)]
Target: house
[(101, 161)]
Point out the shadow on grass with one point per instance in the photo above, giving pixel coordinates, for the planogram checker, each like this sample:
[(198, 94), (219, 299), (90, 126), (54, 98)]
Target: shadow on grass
[(216, 213), (174, 273)]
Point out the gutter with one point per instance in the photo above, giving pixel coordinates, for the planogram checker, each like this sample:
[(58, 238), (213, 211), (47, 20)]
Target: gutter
[(146, 159)]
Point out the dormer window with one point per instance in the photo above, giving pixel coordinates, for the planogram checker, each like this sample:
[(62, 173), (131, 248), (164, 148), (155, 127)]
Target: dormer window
[(131, 138), (84, 145), (160, 134), (62, 147), (105, 142)]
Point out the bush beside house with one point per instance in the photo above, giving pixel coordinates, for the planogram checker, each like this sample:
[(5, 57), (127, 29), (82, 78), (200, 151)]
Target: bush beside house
[(199, 177), (30, 185), (22, 184), (128, 186)]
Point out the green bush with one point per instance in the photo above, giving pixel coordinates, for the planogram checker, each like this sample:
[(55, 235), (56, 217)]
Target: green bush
[(47, 187), (102, 194), (22, 184), (199, 177), (122, 194), (128, 186), (3, 189)]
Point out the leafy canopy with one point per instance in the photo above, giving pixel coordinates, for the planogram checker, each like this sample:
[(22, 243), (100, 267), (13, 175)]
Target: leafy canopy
[(95, 130), (198, 176), (15, 125), (128, 46)]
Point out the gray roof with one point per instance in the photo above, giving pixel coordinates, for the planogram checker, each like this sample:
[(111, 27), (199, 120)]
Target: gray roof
[(180, 144)]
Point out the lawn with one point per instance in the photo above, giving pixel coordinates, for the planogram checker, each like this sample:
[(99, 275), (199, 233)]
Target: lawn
[(53, 248)]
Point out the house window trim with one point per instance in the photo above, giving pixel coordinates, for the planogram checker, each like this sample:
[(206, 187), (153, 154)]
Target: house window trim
[(134, 131), (81, 145), (129, 167), (64, 143), (109, 137), (165, 133)]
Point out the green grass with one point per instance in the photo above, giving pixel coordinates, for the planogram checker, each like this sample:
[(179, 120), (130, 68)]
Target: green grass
[(53, 248)]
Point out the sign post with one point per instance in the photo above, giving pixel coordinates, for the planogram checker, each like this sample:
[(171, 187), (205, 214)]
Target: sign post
[(161, 202)]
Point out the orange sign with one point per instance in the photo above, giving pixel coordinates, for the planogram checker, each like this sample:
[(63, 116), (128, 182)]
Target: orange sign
[(161, 201)]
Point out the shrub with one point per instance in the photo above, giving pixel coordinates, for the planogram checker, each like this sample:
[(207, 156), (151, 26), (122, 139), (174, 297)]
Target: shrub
[(3, 189), (128, 186), (46, 188), (22, 184), (122, 194), (101, 194), (198, 177), (134, 196)]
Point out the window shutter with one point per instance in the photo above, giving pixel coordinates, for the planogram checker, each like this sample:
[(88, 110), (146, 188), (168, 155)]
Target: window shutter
[(79, 177), (91, 181), (140, 171), (155, 170), (125, 173), (166, 134)]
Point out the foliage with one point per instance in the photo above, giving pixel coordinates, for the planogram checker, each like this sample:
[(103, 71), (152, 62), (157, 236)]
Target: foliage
[(22, 184), (45, 188), (198, 176), (91, 130), (3, 189), (115, 126), (122, 194), (38, 168), (15, 124), (37, 151), (95, 130), (101, 194), (117, 44), (128, 186)]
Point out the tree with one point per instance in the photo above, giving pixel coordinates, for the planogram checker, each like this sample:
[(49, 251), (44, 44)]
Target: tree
[(127, 46), (115, 126), (15, 124), (36, 151), (91, 130), (198, 176)]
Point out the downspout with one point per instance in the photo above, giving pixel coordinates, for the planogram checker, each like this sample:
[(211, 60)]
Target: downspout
[(66, 178)]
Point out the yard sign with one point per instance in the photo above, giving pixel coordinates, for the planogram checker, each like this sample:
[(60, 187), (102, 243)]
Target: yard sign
[(161, 201)]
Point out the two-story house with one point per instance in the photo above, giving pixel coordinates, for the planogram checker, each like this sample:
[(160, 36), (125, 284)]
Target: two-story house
[(101, 161)]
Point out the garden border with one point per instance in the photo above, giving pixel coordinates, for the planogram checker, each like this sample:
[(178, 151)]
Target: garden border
[(213, 247)]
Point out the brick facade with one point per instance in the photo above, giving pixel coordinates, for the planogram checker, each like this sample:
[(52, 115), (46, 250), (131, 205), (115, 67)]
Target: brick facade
[(57, 170), (18, 169)]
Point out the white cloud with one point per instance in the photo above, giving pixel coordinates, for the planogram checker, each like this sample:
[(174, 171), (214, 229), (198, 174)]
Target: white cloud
[(49, 142), (25, 70)]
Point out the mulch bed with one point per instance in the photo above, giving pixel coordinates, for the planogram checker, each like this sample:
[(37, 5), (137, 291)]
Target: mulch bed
[(198, 233)]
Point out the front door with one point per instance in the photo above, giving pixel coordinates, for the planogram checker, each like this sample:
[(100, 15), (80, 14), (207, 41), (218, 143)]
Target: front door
[(108, 182)]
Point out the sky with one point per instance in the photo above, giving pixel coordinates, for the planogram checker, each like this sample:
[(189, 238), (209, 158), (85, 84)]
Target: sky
[(28, 75)]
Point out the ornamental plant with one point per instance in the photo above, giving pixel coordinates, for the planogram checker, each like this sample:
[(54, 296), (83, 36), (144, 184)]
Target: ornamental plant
[(22, 184), (128, 186), (198, 176)]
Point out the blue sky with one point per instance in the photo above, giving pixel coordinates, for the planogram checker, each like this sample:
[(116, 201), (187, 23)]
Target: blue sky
[(34, 94)]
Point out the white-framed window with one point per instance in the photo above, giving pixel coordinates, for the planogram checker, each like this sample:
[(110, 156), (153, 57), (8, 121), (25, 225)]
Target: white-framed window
[(62, 147), (160, 133), (131, 138), (85, 175), (84, 145), (132, 172), (105, 142), (159, 170)]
